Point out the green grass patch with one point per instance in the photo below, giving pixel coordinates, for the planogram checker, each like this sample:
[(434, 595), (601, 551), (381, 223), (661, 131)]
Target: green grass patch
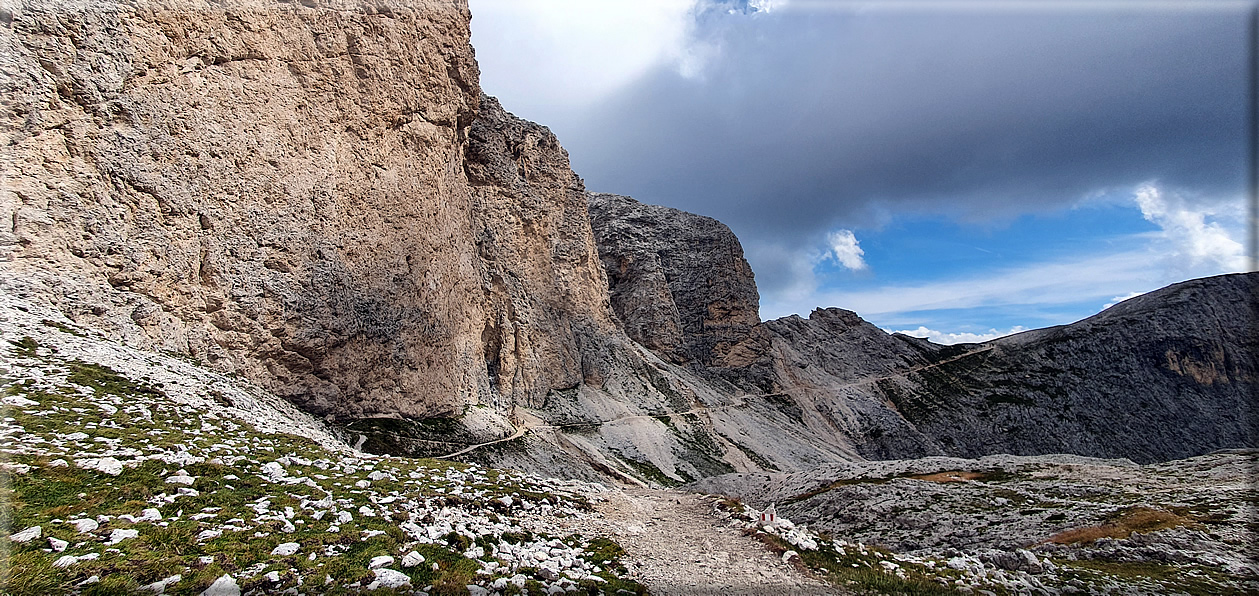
[(650, 472), (105, 381), (25, 347), (64, 328), (851, 570)]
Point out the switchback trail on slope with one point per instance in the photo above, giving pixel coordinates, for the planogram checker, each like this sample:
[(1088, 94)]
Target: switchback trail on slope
[(740, 402)]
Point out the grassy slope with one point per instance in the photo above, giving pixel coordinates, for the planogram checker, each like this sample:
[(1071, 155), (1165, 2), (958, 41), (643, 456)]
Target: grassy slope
[(240, 505)]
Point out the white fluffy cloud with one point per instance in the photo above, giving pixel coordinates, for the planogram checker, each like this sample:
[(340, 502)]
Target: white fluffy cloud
[(1194, 240), (942, 337), (766, 5), (542, 57), (1118, 299), (1046, 283), (846, 250)]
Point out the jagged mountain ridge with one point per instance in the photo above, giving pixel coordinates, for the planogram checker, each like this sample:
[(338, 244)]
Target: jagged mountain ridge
[(1167, 375)]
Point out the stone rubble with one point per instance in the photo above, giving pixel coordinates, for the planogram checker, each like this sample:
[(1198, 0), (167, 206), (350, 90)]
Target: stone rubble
[(1055, 524)]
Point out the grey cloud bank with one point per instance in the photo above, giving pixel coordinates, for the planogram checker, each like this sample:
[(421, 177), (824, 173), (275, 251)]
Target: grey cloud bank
[(802, 121), (820, 116)]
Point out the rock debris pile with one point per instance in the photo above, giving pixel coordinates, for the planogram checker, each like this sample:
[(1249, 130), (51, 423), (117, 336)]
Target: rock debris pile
[(1057, 524)]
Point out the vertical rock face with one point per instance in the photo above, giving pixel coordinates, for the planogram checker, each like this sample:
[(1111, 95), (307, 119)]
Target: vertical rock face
[(545, 293), (678, 281), (283, 190)]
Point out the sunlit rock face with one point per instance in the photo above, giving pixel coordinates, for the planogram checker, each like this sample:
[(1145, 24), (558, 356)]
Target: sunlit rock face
[(274, 189), (283, 191), (678, 281)]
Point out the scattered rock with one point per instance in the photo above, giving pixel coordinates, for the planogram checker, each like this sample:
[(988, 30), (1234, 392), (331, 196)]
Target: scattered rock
[(120, 534), (105, 465), (389, 579), (380, 561), (223, 586), (412, 559), (27, 535), (159, 587), (65, 561)]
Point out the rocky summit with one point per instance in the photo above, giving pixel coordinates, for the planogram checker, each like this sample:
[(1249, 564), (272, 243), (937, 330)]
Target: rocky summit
[(290, 306)]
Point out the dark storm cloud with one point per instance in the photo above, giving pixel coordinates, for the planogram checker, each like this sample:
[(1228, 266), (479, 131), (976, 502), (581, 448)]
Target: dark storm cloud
[(806, 120)]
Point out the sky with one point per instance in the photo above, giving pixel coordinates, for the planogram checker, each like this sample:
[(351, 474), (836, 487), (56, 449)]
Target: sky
[(951, 170)]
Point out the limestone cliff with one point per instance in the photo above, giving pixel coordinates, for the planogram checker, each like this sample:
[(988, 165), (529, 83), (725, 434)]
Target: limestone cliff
[(317, 196), (297, 193), (678, 281), (1167, 375), (274, 189), (545, 293)]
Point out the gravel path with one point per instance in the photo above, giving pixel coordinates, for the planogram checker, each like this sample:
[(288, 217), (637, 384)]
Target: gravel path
[(676, 545)]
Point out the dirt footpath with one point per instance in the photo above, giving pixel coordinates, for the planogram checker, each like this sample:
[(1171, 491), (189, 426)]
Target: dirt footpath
[(676, 546)]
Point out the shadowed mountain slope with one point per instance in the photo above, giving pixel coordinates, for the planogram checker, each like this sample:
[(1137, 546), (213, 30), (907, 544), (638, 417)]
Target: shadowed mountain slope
[(1166, 375)]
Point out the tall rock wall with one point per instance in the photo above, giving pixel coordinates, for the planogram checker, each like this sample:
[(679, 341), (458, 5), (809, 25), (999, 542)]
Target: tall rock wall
[(289, 191), (678, 281), (545, 290)]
